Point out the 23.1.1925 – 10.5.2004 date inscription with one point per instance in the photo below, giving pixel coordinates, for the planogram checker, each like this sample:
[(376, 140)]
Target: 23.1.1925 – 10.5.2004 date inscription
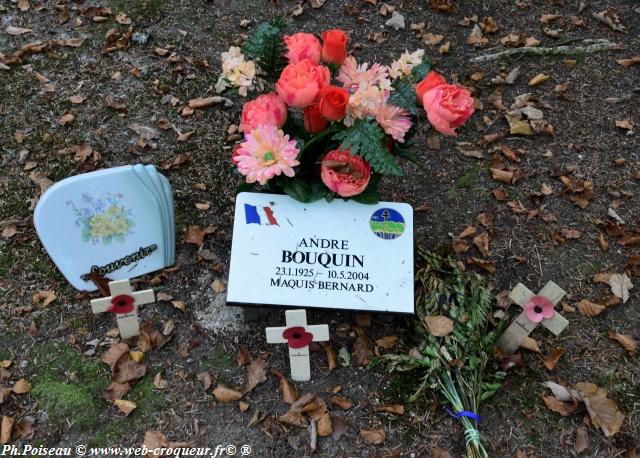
[(344, 271)]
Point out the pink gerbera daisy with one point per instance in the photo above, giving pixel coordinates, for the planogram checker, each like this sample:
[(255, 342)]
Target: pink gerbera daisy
[(394, 121), (265, 153)]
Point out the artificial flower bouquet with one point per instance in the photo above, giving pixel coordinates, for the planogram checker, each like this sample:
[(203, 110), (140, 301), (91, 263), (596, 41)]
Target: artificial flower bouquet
[(330, 126)]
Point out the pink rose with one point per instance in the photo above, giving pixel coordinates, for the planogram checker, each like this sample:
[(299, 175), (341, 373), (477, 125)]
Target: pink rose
[(266, 109), (345, 174), (447, 107), (302, 46), (300, 84)]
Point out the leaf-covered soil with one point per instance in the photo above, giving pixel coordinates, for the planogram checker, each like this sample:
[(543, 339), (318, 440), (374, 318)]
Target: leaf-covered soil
[(57, 346)]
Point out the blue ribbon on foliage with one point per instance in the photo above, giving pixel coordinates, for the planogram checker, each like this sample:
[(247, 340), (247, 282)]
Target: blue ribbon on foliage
[(464, 413)]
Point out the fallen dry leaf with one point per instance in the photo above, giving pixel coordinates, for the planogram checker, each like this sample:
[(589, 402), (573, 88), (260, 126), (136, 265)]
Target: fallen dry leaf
[(620, 285), (145, 132), (159, 382), (289, 393), (635, 60), (114, 353), (489, 266), (627, 342), (194, 234), (590, 309), (476, 38), (76, 99), (44, 298), (582, 440), (563, 408), (129, 371), (206, 379), (438, 325), (551, 361), (538, 79), (116, 391), (225, 394), (341, 402), (126, 407), (256, 374), (362, 349), (11, 30), (22, 386), (396, 409), (218, 286), (530, 344), (610, 18), (603, 411), (467, 232), (66, 119), (481, 242), (373, 436), (332, 359), (24, 428), (183, 137), (6, 427)]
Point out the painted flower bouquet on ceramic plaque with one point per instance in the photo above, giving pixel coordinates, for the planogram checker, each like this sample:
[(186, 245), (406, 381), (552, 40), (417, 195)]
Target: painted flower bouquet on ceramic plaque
[(325, 125)]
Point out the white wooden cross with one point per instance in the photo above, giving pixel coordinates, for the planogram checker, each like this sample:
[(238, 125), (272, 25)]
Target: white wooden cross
[(522, 326), (124, 303), (296, 335)]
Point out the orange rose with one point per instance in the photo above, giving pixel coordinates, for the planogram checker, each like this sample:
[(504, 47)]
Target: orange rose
[(300, 84), (313, 120), (333, 103), (430, 81), (334, 46)]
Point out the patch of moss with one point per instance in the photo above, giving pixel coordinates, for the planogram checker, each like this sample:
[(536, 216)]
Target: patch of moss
[(469, 178), (148, 399), (68, 386), (221, 359), (67, 401)]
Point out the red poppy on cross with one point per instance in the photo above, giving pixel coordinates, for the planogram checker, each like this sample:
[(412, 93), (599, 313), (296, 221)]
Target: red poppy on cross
[(124, 303), (298, 335)]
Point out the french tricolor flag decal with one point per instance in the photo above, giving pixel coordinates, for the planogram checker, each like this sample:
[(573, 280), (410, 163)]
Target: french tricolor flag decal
[(256, 215)]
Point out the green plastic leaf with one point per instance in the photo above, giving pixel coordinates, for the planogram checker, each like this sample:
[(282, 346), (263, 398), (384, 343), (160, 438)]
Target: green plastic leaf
[(245, 187), (370, 196), (365, 139), (420, 71), (404, 95), (266, 47)]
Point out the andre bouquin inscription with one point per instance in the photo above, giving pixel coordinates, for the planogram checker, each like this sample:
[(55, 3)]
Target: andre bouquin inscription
[(340, 255)]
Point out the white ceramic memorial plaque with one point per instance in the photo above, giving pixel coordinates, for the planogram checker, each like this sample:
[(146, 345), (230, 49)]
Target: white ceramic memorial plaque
[(117, 222), (338, 255)]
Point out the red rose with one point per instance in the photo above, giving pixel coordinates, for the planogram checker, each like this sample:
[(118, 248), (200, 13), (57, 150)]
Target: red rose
[(334, 46), (430, 81), (314, 122), (333, 103)]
